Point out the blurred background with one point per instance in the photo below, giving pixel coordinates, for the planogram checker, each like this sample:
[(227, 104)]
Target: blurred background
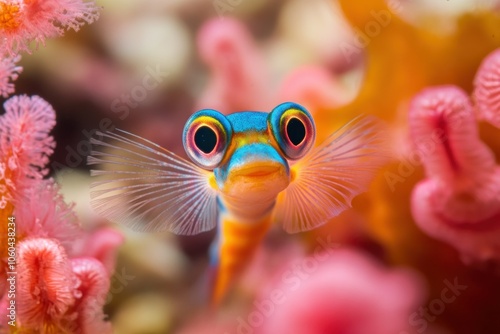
[(145, 66)]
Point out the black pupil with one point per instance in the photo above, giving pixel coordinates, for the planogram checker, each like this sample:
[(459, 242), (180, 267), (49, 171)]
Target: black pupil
[(296, 131), (205, 139)]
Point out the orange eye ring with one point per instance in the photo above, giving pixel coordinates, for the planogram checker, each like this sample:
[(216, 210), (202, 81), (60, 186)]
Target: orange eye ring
[(206, 136), (293, 129)]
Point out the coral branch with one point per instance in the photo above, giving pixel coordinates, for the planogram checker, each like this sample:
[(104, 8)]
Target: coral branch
[(8, 73), (459, 202), (487, 89)]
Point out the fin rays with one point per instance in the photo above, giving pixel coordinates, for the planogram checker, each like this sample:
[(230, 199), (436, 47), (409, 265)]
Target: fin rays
[(148, 188), (332, 174)]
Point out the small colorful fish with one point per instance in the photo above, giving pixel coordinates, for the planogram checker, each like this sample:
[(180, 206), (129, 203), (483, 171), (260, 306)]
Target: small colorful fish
[(251, 169)]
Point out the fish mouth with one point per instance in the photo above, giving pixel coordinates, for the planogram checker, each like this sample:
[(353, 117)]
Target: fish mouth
[(258, 171), (257, 181)]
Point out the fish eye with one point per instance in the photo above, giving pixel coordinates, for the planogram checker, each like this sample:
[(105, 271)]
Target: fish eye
[(293, 129), (205, 139), (206, 136)]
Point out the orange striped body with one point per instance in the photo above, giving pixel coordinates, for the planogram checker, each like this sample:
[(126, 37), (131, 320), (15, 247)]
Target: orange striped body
[(237, 243)]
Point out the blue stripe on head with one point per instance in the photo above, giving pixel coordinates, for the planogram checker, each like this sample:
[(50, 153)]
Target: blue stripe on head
[(248, 121)]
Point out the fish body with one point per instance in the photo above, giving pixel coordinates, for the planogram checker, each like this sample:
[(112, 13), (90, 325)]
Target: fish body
[(249, 170), (248, 182)]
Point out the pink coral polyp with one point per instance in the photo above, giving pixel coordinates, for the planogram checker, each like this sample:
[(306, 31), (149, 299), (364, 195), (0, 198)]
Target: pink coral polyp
[(59, 295), (45, 291), (459, 202), (25, 142), (8, 73), (445, 114), (92, 290), (487, 89)]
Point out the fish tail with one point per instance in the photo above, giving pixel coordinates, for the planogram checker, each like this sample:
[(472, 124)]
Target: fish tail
[(237, 243)]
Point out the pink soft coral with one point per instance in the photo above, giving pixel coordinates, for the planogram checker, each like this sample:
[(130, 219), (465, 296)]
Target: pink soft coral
[(91, 294), (59, 295), (337, 292), (45, 283), (25, 145), (459, 202), (23, 21), (8, 73), (56, 294), (487, 89), (45, 218), (24, 135)]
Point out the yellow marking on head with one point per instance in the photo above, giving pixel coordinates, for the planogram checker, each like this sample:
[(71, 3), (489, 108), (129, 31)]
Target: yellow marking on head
[(212, 182), (241, 139), (293, 174)]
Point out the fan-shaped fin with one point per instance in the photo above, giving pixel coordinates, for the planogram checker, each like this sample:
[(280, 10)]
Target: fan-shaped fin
[(148, 188), (326, 180)]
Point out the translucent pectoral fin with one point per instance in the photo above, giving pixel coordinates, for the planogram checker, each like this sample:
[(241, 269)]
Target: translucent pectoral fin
[(148, 188), (331, 175)]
